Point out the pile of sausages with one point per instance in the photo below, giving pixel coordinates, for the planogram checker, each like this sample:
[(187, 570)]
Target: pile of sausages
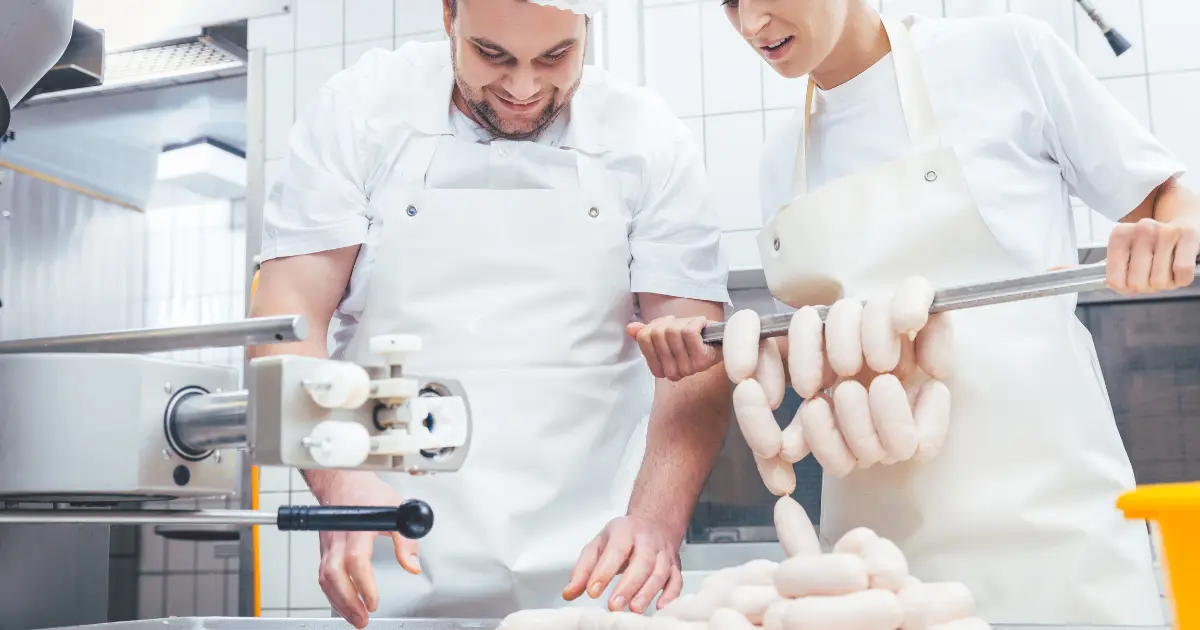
[(871, 376), (863, 584)]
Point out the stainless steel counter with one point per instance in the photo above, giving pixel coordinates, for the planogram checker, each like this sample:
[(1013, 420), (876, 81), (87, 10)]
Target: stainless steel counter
[(249, 623)]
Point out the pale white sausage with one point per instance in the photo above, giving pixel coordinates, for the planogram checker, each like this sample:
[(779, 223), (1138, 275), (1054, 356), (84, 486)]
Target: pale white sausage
[(931, 416), (752, 601), (795, 529), (759, 572), (865, 610), (755, 419), (630, 621), (893, 417), (843, 337), (928, 605), (824, 574), (970, 623), (907, 366), (739, 346), (880, 344), (935, 347), (910, 305), (806, 351), (823, 437), (885, 564), (690, 607), (722, 580), (794, 448), (769, 373), (596, 619), (542, 619), (773, 617), (854, 540), (853, 410), (728, 619), (777, 475)]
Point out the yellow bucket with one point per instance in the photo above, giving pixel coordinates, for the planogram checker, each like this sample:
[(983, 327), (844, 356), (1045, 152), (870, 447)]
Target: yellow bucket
[(1173, 510)]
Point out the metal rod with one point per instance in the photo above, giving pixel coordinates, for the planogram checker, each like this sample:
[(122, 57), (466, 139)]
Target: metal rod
[(139, 517), (246, 332), (202, 422), (1079, 279)]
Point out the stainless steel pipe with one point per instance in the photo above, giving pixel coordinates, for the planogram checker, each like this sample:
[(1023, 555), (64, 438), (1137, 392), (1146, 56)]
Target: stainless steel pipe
[(246, 332), (202, 422), (139, 517), (1079, 279)]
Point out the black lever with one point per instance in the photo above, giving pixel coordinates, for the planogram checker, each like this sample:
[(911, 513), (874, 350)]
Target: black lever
[(413, 518)]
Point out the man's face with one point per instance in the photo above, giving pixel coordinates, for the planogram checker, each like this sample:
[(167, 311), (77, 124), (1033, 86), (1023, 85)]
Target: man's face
[(516, 63), (794, 36)]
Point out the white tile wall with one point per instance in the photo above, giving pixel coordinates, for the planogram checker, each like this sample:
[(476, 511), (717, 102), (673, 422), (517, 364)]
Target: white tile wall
[(694, 60)]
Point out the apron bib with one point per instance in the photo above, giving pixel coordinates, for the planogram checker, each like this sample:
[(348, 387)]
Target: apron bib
[(1020, 505), (523, 296)]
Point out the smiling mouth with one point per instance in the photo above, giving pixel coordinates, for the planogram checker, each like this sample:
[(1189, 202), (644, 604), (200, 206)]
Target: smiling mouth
[(777, 45), (523, 106)]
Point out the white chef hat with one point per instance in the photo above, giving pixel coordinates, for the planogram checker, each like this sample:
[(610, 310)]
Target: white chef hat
[(583, 7)]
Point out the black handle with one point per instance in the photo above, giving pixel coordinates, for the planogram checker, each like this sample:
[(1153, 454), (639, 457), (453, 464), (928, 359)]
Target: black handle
[(413, 519)]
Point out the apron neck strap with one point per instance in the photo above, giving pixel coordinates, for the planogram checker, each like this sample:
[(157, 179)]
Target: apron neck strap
[(914, 100)]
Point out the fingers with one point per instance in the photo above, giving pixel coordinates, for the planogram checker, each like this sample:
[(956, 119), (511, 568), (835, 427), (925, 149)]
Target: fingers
[(656, 582), (640, 568), (674, 347), (1183, 267), (1149, 256), (583, 569), (358, 567), (406, 554), (674, 586), (336, 584), (613, 558)]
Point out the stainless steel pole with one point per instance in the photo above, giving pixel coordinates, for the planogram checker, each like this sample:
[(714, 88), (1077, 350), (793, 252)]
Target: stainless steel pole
[(246, 332), (140, 517), (201, 422)]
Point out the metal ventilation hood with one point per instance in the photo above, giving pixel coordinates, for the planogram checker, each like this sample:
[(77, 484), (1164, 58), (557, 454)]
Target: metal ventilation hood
[(87, 70)]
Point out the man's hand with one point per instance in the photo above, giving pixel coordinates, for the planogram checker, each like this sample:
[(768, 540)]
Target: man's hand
[(346, 575), (643, 552), (1150, 256), (673, 347)]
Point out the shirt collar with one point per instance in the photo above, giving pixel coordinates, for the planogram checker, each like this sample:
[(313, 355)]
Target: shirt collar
[(431, 114)]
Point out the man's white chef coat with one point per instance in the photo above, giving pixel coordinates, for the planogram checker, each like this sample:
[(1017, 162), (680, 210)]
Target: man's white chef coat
[(360, 124), (1028, 121)]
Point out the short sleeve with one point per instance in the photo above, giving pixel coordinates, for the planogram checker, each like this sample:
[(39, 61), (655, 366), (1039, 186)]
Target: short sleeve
[(319, 202), (1108, 158), (675, 240)]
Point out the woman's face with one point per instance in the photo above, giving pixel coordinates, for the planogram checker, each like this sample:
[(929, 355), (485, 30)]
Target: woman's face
[(794, 36)]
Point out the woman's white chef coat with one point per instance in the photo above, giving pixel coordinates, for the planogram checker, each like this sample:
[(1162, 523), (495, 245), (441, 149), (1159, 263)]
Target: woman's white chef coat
[(1028, 121), (347, 143)]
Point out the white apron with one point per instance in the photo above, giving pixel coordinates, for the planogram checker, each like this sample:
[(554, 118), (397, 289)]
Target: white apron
[(1020, 504), (523, 296)]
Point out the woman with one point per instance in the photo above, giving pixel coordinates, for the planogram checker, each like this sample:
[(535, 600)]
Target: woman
[(947, 149)]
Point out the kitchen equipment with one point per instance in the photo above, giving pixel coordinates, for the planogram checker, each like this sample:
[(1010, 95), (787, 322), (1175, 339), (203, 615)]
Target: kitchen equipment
[(1115, 40), (1079, 279), (1173, 509)]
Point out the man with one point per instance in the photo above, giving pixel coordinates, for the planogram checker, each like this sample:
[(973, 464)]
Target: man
[(514, 210), (948, 149)]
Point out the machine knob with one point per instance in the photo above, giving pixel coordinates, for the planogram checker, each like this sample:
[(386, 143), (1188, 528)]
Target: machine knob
[(394, 348), (338, 444), (412, 519), (336, 385)]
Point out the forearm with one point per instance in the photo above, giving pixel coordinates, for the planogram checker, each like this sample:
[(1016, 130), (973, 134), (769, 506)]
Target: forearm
[(687, 427), (1174, 203)]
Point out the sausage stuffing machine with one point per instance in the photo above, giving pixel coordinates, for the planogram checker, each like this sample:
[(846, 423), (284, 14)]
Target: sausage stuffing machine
[(87, 422)]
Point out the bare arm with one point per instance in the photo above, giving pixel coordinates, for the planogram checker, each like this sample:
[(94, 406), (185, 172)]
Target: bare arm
[(687, 426), (311, 285)]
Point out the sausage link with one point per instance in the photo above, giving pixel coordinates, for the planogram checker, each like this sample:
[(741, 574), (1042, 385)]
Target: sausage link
[(794, 448), (806, 351), (729, 619), (931, 417), (752, 601), (778, 476), (757, 423), (795, 529), (935, 347), (910, 306), (823, 574), (843, 337), (865, 610), (823, 437), (893, 417), (880, 344), (852, 407), (854, 540), (928, 605), (769, 373), (885, 563), (739, 347)]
